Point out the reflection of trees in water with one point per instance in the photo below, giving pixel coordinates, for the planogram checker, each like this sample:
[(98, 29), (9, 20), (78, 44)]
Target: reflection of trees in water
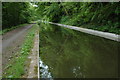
[(66, 49)]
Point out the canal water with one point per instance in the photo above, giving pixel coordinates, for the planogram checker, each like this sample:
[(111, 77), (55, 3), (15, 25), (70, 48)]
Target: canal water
[(66, 53)]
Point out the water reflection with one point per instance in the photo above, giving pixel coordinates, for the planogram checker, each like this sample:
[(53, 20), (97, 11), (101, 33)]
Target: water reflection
[(72, 54)]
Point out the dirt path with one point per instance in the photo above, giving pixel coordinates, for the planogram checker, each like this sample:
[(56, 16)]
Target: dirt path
[(33, 71), (12, 41)]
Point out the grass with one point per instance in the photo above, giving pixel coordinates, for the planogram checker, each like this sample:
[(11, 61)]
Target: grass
[(104, 28), (9, 29), (36, 69), (111, 27), (17, 65)]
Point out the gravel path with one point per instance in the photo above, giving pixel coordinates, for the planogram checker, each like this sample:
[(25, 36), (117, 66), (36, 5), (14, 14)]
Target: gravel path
[(12, 41)]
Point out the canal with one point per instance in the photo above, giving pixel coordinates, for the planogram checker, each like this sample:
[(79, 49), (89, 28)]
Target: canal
[(66, 53)]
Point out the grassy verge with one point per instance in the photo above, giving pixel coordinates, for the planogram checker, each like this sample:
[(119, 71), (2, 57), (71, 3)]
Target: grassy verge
[(16, 68), (9, 29), (105, 26), (111, 28)]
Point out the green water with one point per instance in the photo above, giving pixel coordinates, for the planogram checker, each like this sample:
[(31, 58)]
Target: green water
[(72, 54)]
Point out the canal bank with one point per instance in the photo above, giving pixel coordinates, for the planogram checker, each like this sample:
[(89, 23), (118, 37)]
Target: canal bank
[(33, 71), (106, 35)]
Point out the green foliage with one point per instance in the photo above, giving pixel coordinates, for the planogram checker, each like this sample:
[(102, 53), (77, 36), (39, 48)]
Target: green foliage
[(49, 11), (104, 15), (15, 13)]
